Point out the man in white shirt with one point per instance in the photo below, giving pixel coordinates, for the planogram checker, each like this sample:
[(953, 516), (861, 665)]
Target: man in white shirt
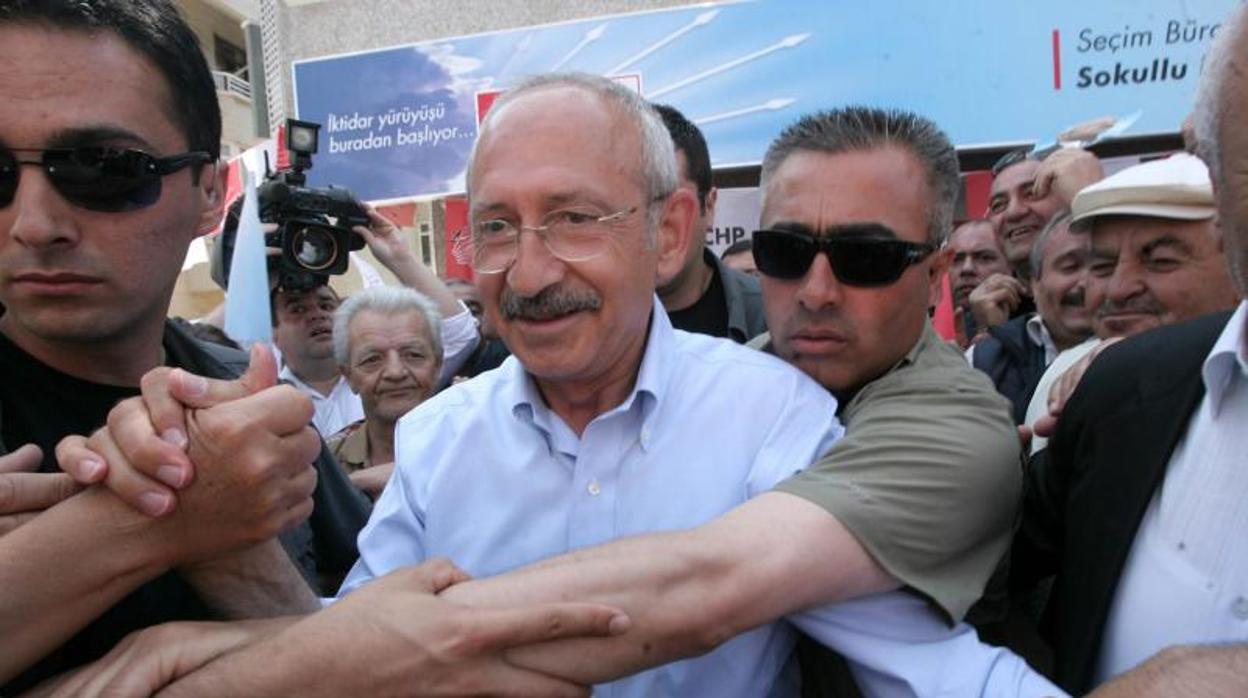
[(303, 323), (1140, 501)]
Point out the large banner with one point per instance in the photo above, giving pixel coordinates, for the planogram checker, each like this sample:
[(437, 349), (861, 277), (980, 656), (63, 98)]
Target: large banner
[(399, 122)]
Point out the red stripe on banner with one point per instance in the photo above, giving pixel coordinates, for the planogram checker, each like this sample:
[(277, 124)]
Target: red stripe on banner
[(1057, 59)]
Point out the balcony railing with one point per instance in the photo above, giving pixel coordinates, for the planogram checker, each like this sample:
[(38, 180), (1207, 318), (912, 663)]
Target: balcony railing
[(232, 84)]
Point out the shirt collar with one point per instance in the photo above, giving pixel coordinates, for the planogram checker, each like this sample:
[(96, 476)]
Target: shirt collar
[(526, 403), (1038, 333), (1228, 358), (848, 402), (287, 375)]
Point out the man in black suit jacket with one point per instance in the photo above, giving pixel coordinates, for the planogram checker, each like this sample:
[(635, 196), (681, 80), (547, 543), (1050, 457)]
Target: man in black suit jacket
[(1088, 492), (1149, 413)]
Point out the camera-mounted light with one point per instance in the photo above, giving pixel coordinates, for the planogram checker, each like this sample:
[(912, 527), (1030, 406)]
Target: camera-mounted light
[(301, 137)]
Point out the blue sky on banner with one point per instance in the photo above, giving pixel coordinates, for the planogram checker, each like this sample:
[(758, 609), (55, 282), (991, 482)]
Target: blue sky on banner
[(399, 122)]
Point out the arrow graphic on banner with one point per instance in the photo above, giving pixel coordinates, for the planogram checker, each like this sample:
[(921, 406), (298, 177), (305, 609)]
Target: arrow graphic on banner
[(590, 37), (704, 18), (771, 105), (522, 47), (787, 42)]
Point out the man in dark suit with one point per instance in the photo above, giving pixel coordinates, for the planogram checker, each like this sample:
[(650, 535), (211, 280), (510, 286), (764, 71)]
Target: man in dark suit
[(1140, 502)]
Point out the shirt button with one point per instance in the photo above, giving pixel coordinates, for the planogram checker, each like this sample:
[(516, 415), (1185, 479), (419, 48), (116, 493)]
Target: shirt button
[(1239, 608), (593, 488)]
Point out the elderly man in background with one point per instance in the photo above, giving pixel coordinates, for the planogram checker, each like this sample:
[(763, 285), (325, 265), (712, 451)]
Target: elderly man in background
[(303, 323), (389, 348), (1155, 259)]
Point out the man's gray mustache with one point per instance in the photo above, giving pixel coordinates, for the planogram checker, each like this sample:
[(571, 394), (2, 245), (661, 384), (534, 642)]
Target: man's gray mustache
[(1142, 305), (548, 304), (1073, 299)]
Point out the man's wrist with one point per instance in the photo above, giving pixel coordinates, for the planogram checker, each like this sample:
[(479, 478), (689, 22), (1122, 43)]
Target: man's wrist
[(142, 545), (259, 581)]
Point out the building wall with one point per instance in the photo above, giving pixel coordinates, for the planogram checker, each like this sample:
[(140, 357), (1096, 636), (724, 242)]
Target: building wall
[(208, 21), (313, 28)]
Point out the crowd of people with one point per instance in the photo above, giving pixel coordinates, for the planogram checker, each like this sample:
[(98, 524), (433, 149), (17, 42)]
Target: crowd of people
[(615, 462)]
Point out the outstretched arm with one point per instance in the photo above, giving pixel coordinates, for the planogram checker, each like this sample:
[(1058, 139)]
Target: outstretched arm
[(687, 592), (1208, 671), (395, 636)]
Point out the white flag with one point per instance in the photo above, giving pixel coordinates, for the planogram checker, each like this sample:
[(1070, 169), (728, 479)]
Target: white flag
[(247, 313), (368, 274)]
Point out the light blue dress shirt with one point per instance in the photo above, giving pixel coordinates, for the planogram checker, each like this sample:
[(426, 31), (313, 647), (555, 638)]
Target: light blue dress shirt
[(490, 478)]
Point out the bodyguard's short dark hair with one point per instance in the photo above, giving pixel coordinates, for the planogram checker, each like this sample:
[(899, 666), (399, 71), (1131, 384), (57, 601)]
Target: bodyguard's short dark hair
[(688, 139), (155, 29), (857, 129)]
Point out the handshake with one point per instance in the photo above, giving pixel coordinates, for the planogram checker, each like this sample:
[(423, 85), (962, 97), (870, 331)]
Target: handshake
[(214, 465)]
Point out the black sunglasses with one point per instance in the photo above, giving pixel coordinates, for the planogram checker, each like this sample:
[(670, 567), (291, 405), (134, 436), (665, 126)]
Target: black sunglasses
[(859, 253), (96, 178)]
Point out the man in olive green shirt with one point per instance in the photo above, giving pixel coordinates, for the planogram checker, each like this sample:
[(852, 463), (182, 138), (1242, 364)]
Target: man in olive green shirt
[(925, 475)]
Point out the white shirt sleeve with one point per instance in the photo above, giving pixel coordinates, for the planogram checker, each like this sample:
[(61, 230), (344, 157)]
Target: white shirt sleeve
[(897, 645), (459, 339)]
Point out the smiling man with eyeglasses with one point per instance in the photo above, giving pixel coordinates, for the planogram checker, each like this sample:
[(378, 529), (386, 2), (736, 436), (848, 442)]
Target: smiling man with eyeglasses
[(592, 431)]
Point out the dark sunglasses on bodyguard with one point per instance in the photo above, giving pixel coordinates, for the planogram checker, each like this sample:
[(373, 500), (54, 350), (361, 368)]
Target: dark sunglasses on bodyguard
[(102, 179), (861, 254)]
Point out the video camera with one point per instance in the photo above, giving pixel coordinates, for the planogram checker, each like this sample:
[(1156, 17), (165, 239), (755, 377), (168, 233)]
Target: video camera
[(314, 224)]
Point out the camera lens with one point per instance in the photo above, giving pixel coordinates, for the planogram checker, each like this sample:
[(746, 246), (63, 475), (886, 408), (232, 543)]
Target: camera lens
[(314, 248)]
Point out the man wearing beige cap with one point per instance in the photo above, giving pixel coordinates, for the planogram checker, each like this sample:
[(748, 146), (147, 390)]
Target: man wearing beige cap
[(1156, 259), (1140, 501)]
